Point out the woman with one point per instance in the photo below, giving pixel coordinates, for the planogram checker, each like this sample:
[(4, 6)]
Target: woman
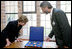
[(11, 31)]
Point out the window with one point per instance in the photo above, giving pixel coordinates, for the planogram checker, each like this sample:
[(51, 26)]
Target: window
[(66, 7), (11, 6), (11, 17), (69, 18), (29, 6), (29, 9), (11, 10), (45, 22), (32, 22)]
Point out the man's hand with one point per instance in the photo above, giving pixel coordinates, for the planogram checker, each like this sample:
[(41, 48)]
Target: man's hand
[(8, 42), (66, 47), (47, 39)]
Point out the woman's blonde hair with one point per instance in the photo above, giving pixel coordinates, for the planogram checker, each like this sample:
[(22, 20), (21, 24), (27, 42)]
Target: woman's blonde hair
[(23, 19)]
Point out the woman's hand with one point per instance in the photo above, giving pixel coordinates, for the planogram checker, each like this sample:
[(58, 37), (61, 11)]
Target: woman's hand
[(8, 42), (18, 40)]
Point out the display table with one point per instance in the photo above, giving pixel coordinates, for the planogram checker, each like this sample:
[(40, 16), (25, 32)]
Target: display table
[(22, 45)]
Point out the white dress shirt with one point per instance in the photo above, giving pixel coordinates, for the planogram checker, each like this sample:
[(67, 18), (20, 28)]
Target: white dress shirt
[(51, 13)]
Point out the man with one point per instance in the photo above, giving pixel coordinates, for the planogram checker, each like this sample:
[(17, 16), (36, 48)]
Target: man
[(60, 25), (11, 31)]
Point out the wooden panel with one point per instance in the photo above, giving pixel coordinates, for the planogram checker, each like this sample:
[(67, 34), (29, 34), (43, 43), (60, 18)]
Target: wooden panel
[(38, 13), (19, 8), (3, 17)]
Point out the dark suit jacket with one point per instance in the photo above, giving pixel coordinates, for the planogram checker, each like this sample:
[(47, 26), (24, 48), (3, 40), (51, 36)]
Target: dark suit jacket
[(11, 31), (60, 28)]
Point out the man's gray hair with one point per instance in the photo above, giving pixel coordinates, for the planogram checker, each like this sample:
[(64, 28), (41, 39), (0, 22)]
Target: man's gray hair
[(46, 4)]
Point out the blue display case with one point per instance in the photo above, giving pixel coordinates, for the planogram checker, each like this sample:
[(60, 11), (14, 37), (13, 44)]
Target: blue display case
[(36, 37)]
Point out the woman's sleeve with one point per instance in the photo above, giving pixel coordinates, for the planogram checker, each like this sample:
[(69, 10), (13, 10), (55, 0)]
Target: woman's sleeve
[(5, 32)]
